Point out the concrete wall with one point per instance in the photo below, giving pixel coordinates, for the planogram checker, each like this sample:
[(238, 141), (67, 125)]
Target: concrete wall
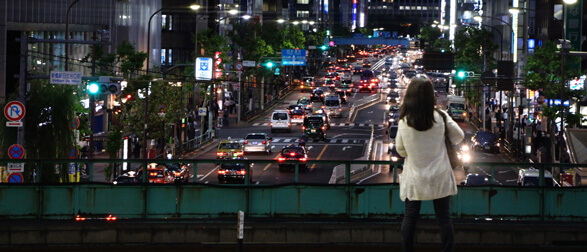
[(19, 233)]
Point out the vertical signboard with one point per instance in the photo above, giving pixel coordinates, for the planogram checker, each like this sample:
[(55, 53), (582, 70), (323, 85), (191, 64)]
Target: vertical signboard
[(204, 68), (573, 26), (217, 62)]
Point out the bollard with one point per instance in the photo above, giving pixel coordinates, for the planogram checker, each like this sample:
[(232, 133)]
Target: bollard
[(240, 230)]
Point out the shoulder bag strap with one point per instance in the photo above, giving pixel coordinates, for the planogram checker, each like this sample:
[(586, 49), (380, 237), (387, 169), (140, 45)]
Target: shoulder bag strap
[(445, 126)]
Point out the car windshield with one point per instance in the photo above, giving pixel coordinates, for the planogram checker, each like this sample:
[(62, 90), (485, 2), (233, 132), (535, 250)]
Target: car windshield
[(478, 180), (279, 116), (457, 106), (255, 137), (304, 101), (410, 74), (314, 120), (297, 112), (331, 103), (484, 136), (230, 146), (235, 166)]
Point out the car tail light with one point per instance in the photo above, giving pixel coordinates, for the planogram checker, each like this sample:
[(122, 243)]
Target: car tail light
[(221, 172), (110, 218), (79, 218), (153, 174), (303, 159), (242, 172), (340, 109), (240, 153), (292, 154), (280, 159), (219, 154), (264, 142), (288, 124), (303, 127), (322, 106), (323, 128), (246, 142), (270, 124), (177, 173)]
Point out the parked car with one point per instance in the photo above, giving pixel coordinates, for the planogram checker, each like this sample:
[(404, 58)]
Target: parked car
[(257, 142), (234, 172), (228, 149), (474, 179), (292, 153), (485, 141)]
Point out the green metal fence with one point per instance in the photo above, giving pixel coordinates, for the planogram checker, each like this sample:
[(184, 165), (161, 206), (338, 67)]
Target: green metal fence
[(43, 200)]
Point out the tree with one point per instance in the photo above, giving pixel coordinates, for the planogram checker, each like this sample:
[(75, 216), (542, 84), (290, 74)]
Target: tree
[(544, 73)]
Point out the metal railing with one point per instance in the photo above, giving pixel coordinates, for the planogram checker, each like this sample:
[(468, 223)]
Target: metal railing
[(50, 200)]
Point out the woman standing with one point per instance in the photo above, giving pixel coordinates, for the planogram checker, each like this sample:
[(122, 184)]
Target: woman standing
[(427, 173)]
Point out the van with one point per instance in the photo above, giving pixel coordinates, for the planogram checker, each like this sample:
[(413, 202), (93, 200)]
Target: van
[(530, 177), (332, 106), (280, 120)]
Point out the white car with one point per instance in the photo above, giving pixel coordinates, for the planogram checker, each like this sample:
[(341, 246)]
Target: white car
[(280, 120), (257, 142)]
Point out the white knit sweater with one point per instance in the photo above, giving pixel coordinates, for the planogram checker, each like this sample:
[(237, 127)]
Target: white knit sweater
[(427, 174)]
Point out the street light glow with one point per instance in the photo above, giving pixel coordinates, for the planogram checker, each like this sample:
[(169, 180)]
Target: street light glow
[(247, 17), (280, 20), (570, 1), (195, 6), (296, 22), (233, 11)]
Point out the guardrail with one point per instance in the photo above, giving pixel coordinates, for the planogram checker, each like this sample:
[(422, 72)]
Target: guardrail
[(44, 200), (362, 103)]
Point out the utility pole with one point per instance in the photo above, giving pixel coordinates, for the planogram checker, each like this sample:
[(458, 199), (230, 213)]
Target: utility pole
[(22, 82)]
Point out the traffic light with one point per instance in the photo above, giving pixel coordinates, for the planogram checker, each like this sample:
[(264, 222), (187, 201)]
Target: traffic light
[(324, 47), (94, 87), (461, 74)]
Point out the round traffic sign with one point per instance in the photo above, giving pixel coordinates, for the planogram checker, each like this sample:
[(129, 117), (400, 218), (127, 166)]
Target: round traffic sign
[(14, 111), (74, 123), (16, 151), (73, 153), (239, 66), (15, 178)]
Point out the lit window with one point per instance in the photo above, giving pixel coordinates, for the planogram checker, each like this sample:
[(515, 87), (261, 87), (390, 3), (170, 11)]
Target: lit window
[(163, 52), (170, 57), (170, 23), (303, 1), (303, 14), (163, 22)]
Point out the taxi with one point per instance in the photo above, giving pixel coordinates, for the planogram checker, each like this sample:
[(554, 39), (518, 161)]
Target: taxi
[(159, 175), (229, 149)]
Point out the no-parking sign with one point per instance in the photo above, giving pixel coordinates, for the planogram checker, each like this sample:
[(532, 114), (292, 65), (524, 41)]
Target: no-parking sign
[(14, 111), (15, 178), (16, 151)]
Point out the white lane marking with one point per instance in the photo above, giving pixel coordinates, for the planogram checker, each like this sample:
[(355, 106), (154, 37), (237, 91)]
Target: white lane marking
[(215, 168), (346, 147), (378, 153)]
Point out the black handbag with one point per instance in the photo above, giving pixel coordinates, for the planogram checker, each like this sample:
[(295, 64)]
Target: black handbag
[(453, 156)]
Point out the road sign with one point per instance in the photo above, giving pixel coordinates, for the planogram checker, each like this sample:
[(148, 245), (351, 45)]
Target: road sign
[(249, 63), (204, 68), (15, 151), (15, 167), (14, 111), (239, 66), (202, 111), (74, 123), (14, 124), (67, 78), (15, 178), (293, 57), (73, 153)]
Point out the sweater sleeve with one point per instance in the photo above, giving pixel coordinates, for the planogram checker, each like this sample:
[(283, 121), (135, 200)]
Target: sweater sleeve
[(399, 143), (455, 133)]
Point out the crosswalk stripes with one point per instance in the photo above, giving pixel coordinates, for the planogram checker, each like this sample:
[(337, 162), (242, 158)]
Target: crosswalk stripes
[(334, 125), (327, 141)]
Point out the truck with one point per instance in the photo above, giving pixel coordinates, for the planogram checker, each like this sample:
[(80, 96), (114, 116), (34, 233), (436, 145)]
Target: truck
[(456, 107)]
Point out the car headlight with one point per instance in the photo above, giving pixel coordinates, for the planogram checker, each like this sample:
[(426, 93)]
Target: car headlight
[(464, 148), (466, 157)]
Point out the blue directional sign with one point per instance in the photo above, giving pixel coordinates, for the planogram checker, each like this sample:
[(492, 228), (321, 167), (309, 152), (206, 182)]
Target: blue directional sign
[(293, 57), (204, 67)]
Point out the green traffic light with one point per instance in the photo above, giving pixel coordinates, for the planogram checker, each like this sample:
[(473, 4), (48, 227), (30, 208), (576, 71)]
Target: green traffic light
[(461, 74), (270, 64), (93, 87)]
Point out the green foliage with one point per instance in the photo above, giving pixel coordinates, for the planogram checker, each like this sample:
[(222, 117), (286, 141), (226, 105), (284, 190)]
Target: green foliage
[(544, 73), (130, 61), (472, 45)]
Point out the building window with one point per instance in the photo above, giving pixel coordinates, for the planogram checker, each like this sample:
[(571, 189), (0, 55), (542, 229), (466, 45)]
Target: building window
[(163, 54), (303, 1), (166, 22), (163, 22), (170, 22), (303, 14), (170, 57)]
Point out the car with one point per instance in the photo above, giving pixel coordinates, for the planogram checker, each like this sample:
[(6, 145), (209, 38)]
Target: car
[(228, 149), (280, 120), (305, 103), (394, 156), (393, 97), (314, 127), (342, 95), (474, 179), (485, 141), (332, 106), (329, 83), (257, 142), (317, 95), (530, 177), (235, 172), (292, 153), (307, 84), (158, 174), (325, 116), (391, 134), (130, 177), (297, 115), (180, 171)]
